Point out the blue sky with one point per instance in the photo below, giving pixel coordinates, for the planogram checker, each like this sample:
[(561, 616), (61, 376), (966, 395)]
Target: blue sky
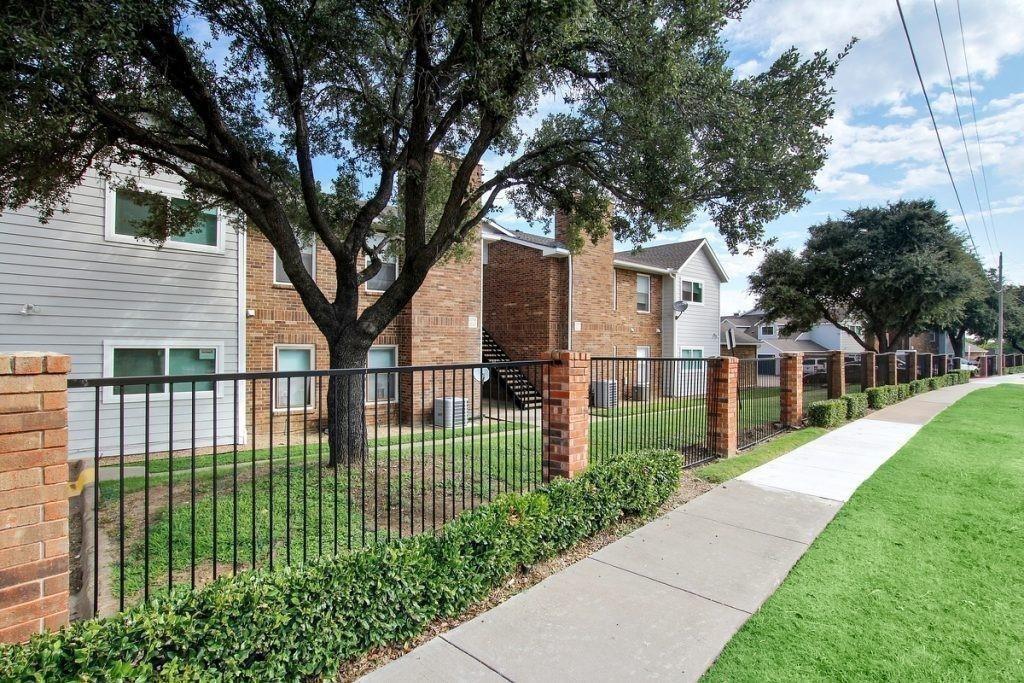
[(883, 145)]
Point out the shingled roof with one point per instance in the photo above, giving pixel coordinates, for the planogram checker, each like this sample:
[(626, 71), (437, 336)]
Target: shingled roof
[(668, 256)]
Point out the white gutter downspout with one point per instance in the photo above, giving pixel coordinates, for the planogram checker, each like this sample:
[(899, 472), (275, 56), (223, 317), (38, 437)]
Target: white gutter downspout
[(569, 340), (672, 335)]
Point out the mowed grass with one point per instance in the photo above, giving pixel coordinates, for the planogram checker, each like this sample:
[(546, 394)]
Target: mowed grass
[(729, 468), (296, 507), (919, 577)]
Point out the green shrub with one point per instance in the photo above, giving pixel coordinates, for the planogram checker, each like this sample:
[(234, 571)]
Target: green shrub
[(960, 376), (880, 397), (902, 392), (856, 405), (830, 413), (935, 382), (918, 386), (300, 623)]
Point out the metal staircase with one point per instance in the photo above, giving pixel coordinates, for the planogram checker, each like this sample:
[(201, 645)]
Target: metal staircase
[(523, 393)]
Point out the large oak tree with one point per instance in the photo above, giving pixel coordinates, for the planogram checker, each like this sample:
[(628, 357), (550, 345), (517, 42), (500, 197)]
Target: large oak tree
[(894, 269), (244, 98)]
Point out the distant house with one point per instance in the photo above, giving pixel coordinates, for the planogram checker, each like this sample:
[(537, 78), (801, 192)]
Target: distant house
[(938, 342), (757, 336)]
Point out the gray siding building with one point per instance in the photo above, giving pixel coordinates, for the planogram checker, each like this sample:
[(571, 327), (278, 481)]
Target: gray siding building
[(83, 285)]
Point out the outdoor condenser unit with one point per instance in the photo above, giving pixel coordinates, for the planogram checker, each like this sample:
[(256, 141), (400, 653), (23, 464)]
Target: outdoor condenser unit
[(450, 412), (641, 392), (606, 393)]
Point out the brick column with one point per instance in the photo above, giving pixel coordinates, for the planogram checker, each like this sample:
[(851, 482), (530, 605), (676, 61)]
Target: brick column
[(867, 370), (791, 383), (983, 366), (926, 361), (836, 374), (723, 404), (911, 360), (892, 371), (565, 415), (33, 494), (943, 365)]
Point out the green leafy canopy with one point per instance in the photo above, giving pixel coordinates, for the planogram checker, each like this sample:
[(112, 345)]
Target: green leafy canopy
[(896, 269), (241, 99)]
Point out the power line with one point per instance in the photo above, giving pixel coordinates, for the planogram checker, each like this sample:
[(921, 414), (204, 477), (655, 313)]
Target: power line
[(977, 135), (935, 126), (960, 124)]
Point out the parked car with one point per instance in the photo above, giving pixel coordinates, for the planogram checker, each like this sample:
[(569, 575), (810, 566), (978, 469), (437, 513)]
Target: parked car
[(814, 366), (968, 364)]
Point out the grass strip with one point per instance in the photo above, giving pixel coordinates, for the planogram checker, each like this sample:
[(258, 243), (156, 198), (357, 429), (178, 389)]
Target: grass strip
[(918, 578)]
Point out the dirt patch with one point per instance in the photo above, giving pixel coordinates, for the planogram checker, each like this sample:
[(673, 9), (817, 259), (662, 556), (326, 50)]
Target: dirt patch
[(689, 488)]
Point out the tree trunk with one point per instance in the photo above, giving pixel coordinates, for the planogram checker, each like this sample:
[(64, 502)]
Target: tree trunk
[(958, 344), (346, 404)]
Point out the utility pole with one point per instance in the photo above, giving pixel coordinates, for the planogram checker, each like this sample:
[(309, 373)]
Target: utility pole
[(999, 358)]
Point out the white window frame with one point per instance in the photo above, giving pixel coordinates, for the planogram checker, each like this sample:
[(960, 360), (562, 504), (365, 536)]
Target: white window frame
[(773, 333), (650, 293), (109, 345), (694, 282), (366, 263), (275, 259), (312, 392), (110, 234), (398, 379), (680, 349)]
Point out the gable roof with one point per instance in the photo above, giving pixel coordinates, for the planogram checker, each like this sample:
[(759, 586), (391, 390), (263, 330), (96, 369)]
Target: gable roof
[(670, 257)]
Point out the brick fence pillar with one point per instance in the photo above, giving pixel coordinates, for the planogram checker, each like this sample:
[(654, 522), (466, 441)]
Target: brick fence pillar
[(911, 361), (892, 370), (791, 385), (33, 494), (943, 365), (836, 374), (926, 360), (565, 415), (723, 404), (983, 366), (867, 370)]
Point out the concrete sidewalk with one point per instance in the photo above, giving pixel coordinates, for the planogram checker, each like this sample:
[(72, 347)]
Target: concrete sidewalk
[(664, 600)]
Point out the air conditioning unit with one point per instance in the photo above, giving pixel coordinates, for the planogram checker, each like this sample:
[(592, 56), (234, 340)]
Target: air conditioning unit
[(605, 393), (450, 412), (641, 392)]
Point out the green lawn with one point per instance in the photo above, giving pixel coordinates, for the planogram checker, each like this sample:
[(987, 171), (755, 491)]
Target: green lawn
[(723, 470), (919, 577), (309, 510)]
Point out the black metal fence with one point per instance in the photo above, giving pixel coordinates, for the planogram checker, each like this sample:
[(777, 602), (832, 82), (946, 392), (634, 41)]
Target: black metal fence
[(206, 475), (815, 378), (759, 404), (649, 403), (903, 368), (924, 365), (883, 363), (853, 373)]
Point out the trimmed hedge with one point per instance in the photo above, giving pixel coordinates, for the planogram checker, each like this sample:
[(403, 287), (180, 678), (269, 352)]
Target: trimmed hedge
[(856, 405), (880, 397), (1013, 370), (830, 413), (301, 623), (902, 392), (918, 386)]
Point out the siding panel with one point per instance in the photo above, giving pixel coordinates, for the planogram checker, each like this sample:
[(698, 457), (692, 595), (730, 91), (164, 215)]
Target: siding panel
[(88, 289)]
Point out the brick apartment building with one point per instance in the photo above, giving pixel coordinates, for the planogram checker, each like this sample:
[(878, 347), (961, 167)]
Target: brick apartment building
[(538, 296), (442, 324)]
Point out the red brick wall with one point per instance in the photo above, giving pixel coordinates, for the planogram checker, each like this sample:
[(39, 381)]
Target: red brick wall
[(526, 302), (631, 328), (745, 351), (433, 326), (33, 494), (525, 299)]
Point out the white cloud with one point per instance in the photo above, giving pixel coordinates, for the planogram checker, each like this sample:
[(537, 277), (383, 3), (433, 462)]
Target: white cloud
[(879, 69), (902, 111)]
